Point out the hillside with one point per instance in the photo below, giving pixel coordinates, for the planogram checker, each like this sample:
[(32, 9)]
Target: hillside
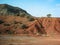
[(14, 20), (6, 9), (20, 25)]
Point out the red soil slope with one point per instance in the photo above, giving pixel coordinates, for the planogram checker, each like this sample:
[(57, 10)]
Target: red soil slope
[(49, 26), (46, 26)]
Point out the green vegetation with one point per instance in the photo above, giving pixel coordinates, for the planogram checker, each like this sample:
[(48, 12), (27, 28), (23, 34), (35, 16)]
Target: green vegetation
[(22, 15), (6, 9), (15, 22), (23, 26), (41, 26), (0, 32), (31, 19), (48, 15), (27, 16), (6, 24), (9, 32), (1, 21), (10, 44)]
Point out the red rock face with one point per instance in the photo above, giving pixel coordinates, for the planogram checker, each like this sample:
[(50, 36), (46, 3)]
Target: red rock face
[(47, 26), (51, 25)]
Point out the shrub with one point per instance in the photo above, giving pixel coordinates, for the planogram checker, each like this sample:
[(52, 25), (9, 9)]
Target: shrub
[(27, 16), (10, 44), (1, 21), (20, 22), (17, 14), (6, 24), (41, 26), (0, 32), (9, 32), (22, 15), (23, 26), (15, 22), (31, 19), (48, 15)]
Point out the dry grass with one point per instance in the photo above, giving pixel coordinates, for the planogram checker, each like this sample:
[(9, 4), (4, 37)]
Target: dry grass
[(28, 40)]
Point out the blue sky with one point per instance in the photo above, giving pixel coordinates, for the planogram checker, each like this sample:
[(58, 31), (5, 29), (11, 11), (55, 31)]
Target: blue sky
[(38, 8)]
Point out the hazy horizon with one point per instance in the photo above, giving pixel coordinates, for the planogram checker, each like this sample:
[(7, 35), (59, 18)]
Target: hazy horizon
[(38, 8)]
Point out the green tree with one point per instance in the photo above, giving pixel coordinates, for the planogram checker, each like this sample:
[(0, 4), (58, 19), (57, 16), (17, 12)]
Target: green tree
[(48, 15)]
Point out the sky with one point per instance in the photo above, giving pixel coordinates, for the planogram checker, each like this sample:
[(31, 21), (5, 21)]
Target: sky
[(38, 8)]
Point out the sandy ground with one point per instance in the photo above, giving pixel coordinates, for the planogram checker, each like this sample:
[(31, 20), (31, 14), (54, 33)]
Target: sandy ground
[(28, 40)]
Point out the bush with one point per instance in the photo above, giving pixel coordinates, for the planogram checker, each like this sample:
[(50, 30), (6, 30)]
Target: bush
[(6, 24), (10, 44), (48, 15), (41, 26), (23, 26), (15, 22), (0, 32), (27, 16), (9, 32), (1, 21), (20, 22), (22, 15), (31, 19)]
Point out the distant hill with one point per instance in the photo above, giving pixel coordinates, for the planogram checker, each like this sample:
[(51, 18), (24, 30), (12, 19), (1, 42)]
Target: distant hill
[(6, 9)]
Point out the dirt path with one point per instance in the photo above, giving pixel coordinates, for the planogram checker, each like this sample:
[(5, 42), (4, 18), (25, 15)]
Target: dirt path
[(27, 40)]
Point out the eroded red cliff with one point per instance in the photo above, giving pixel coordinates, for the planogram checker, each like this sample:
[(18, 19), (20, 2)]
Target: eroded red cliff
[(46, 26)]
